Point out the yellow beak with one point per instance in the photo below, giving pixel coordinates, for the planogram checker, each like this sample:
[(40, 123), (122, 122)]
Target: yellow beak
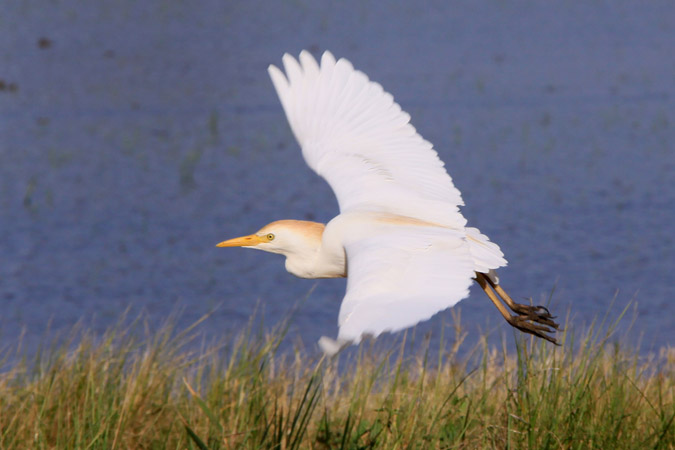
[(245, 241)]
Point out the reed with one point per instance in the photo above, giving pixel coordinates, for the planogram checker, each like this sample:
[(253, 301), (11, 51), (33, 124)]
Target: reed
[(137, 389)]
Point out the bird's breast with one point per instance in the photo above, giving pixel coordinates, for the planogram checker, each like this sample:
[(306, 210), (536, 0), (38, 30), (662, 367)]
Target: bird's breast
[(326, 266)]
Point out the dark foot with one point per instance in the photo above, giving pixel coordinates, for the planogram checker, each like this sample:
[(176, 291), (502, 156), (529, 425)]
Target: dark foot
[(538, 314), (527, 323), (535, 320)]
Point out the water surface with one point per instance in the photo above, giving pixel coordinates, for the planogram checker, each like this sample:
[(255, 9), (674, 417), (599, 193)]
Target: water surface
[(136, 135)]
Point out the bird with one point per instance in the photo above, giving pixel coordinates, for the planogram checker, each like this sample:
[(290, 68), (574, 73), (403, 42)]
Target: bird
[(399, 238)]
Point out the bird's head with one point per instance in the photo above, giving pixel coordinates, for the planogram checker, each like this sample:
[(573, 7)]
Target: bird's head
[(283, 236)]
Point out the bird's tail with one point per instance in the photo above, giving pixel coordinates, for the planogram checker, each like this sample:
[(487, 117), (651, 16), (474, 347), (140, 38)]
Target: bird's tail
[(487, 256)]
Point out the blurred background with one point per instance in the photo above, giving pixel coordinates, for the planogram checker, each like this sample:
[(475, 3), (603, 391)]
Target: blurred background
[(134, 136)]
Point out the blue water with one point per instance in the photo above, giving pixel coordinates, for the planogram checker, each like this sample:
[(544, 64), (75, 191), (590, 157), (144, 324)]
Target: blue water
[(134, 136)]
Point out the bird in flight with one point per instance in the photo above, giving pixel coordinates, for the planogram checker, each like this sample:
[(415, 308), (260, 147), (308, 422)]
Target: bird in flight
[(400, 238)]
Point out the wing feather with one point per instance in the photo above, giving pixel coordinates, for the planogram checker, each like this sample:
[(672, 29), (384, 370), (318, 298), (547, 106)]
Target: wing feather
[(354, 135), (486, 255), (402, 275)]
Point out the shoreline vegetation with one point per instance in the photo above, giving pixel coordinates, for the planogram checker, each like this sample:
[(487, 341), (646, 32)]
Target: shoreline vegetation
[(154, 391)]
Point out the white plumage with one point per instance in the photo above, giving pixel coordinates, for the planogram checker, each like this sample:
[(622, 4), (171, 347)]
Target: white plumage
[(354, 135), (400, 237)]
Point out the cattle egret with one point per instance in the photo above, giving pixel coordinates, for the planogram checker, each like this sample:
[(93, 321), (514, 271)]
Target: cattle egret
[(400, 237)]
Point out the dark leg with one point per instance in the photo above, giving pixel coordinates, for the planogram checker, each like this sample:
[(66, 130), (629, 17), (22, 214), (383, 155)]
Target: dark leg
[(528, 317), (537, 313)]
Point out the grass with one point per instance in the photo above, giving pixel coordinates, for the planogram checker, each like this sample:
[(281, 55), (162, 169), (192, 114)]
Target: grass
[(136, 389)]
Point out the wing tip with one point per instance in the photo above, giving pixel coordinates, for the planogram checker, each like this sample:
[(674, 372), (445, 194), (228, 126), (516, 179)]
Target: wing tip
[(331, 347), (327, 59), (306, 55), (280, 83), (275, 72)]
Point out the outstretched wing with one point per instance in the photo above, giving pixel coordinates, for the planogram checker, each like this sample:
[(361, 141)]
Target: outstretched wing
[(355, 136), (401, 275)]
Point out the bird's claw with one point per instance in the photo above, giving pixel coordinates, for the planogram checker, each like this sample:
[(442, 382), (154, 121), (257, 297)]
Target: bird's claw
[(530, 323), (538, 310), (535, 320), (539, 314)]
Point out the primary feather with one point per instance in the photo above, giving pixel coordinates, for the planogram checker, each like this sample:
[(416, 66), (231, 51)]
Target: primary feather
[(354, 135)]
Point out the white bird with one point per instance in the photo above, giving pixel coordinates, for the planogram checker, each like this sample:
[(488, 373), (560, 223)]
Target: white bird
[(400, 237)]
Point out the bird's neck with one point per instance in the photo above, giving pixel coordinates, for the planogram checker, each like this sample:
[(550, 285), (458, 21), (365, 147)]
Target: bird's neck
[(316, 256)]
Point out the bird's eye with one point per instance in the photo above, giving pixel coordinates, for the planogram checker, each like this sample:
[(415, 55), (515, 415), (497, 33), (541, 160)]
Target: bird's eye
[(270, 237)]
